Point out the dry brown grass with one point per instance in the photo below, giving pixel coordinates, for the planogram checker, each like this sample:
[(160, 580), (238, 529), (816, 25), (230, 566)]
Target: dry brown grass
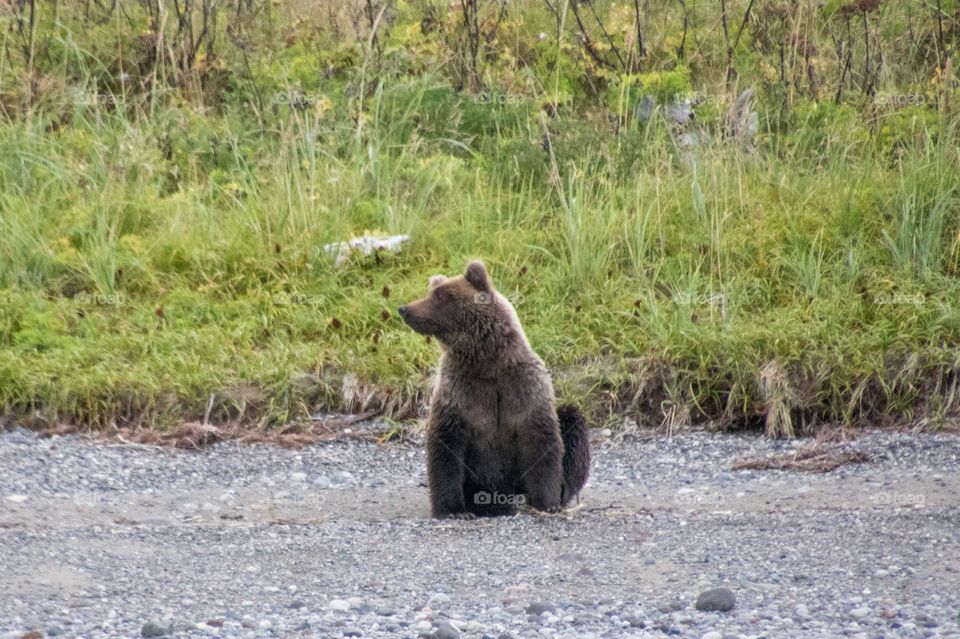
[(815, 458), (196, 435)]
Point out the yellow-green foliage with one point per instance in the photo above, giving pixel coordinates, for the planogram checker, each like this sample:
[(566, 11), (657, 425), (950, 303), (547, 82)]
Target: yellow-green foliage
[(162, 224)]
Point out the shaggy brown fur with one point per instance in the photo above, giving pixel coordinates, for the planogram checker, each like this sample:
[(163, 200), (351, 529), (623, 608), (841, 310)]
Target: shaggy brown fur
[(494, 439)]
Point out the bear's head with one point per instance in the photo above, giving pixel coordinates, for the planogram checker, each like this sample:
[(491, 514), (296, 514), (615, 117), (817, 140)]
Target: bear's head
[(465, 314)]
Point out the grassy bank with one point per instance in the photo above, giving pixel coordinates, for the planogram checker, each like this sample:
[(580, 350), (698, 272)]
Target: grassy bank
[(162, 235)]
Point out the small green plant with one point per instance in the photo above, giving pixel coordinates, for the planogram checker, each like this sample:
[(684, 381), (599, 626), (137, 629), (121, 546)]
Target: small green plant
[(805, 265), (925, 207)]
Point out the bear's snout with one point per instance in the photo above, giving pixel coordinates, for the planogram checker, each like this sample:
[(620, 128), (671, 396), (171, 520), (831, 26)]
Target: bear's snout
[(410, 317), (417, 317)]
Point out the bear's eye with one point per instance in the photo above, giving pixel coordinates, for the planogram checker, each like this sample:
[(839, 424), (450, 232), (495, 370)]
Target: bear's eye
[(442, 294)]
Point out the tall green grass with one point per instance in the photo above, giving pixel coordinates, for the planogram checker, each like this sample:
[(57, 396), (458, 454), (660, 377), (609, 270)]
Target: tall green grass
[(163, 261)]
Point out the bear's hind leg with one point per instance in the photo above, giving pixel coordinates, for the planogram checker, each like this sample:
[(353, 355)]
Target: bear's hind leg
[(541, 465)]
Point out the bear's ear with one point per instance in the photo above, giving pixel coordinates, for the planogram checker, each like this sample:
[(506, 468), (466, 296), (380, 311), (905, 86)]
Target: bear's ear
[(477, 276), (436, 281)]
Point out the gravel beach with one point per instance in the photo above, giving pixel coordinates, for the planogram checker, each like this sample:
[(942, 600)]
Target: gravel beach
[(333, 540)]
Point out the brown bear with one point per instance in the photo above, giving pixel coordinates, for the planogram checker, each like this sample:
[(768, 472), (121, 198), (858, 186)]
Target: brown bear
[(494, 439)]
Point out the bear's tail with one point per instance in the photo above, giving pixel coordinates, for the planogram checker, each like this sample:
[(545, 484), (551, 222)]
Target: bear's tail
[(576, 451)]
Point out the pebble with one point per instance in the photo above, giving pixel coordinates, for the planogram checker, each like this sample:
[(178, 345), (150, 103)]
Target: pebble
[(673, 606), (153, 629), (339, 605), (438, 601), (446, 631), (716, 600), (538, 608)]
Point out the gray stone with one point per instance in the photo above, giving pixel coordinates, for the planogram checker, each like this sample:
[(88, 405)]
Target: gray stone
[(716, 600), (152, 629), (673, 606), (446, 631), (538, 608), (339, 605), (438, 601)]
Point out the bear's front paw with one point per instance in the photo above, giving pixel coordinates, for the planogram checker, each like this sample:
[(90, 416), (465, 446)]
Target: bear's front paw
[(549, 510), (546, 506), (462, 516)]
